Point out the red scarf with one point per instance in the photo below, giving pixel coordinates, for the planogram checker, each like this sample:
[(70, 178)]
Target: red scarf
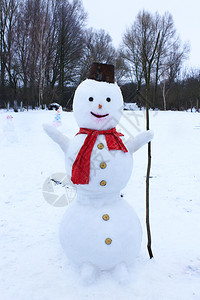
[(81, 166)]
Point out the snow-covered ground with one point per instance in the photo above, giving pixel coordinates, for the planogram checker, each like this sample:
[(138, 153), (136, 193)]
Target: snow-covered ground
[(32, 263)]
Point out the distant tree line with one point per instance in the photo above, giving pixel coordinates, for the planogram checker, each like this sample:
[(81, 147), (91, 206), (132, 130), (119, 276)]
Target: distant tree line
[(183, 94), (46, 51)]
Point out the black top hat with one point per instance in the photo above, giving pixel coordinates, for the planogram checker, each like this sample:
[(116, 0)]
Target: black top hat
[(102, 72)]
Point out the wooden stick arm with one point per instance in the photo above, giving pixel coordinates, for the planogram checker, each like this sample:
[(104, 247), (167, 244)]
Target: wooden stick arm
[(140, 140), (57, 136)]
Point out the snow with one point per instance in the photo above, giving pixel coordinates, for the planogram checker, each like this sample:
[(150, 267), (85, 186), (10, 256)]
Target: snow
[(33, 264), (131, 106)]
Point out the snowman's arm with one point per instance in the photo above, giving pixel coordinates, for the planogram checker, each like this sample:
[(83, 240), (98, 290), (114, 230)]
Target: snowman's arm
[(140, 140), (57, 136)]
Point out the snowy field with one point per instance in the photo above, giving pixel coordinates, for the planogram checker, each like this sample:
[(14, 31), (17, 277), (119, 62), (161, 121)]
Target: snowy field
[(32, 263)]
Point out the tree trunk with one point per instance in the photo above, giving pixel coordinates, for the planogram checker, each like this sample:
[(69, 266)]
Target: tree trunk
[(147, 180), (164, 96), (147, 79)]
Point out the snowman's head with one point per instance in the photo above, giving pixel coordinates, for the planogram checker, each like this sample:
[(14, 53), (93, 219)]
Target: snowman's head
[(97, 104)]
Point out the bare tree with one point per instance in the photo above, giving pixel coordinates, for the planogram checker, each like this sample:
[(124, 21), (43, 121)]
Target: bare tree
[(23, 45), (97, 48), (70, 23), (44, 42), (191, 84), (29, 29), (169, 54), (49, 45), (9, 70), (3, 17), (151, 50), (140, 45), (121, 69)]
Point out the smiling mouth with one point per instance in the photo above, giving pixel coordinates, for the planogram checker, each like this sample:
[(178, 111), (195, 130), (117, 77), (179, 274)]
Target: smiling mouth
[(99, 116)]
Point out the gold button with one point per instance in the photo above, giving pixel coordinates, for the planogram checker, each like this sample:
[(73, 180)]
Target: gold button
[(100, 146), (103, 183), (108, 241), (103, 165), (105, 217)]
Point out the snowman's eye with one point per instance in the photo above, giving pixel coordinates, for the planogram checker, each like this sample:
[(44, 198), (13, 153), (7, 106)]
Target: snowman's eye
[(108, 99), (91, 99)]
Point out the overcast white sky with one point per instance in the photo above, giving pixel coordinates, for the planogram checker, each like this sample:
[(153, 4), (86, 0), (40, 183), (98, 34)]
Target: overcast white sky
[(115, 15)]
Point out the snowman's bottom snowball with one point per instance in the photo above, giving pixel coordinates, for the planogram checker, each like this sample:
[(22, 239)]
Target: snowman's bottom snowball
[(88, 238)]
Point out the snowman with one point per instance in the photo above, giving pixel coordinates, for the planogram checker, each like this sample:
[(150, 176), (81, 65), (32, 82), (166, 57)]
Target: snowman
[(100, 231)]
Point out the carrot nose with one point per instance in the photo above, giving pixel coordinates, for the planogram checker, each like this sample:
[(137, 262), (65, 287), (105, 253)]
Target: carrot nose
[(100, 106)]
